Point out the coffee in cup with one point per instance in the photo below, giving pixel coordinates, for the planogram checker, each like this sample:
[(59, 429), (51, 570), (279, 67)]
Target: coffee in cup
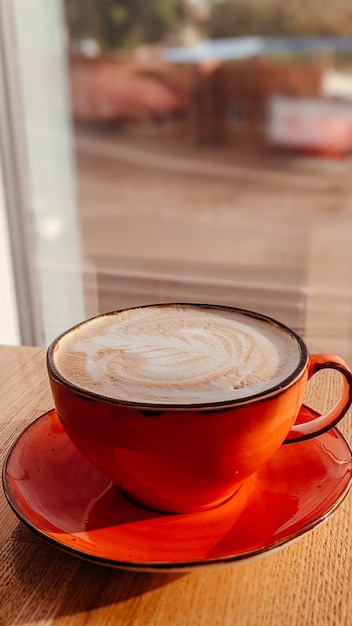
[(180, 403), (177, 355)]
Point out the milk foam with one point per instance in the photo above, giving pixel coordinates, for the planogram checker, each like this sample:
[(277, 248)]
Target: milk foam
[(176, 355)]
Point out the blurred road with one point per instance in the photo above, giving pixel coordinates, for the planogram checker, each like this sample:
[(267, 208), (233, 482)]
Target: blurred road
[(270, 231)]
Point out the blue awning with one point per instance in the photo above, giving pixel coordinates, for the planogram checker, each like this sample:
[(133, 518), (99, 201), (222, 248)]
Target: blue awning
[(247, 47), (216, 49)]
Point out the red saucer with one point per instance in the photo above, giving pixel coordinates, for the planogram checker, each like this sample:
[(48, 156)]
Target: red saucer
[(62, 497)]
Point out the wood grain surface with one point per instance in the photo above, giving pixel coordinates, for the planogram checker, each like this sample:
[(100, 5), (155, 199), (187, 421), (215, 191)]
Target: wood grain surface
[(307, 583)]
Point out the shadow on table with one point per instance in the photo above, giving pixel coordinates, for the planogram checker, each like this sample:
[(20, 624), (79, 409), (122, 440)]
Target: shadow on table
[(53, 583)]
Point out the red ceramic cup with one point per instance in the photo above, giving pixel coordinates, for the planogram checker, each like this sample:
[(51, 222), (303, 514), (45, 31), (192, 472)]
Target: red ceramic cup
[(183, 458)]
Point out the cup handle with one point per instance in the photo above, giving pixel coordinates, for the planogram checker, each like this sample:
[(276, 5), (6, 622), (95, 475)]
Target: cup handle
[(310, 423)]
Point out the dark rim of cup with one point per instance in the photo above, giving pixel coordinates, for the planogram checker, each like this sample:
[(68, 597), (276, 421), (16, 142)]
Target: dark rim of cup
[(161, 407)]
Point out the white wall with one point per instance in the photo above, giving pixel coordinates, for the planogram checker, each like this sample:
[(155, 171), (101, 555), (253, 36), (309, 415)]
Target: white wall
[(9, 331), (52, 215)]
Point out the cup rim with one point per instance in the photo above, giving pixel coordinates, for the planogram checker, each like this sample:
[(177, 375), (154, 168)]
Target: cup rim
[(275, 389)]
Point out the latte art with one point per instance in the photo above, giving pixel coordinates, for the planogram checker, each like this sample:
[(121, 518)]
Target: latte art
[(176, 354)]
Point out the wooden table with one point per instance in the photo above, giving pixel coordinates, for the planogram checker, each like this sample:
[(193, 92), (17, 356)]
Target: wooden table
[(307, 583)]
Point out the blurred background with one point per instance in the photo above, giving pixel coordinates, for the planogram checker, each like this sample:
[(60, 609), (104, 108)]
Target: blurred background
[(176, 150)]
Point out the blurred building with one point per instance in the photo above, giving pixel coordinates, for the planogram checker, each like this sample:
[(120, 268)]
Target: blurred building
[(225, 92), (232, 102)]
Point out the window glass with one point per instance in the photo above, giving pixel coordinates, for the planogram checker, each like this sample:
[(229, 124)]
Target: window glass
[(194, 150)]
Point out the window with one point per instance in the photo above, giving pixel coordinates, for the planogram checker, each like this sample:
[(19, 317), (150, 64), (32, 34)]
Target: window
[(238, 117), (116, 197)]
